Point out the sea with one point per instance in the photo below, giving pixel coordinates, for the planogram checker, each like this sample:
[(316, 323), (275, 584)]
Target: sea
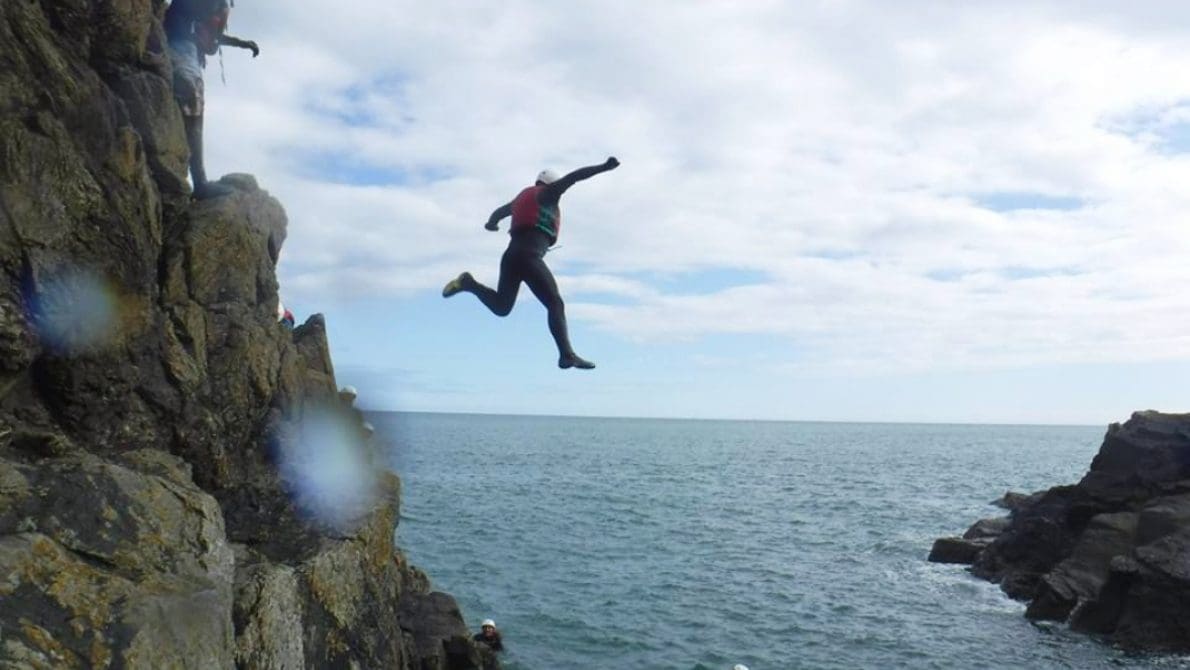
[(696, 545)]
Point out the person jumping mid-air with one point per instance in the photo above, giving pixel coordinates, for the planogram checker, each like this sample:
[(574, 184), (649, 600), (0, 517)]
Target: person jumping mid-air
[(536, 220)]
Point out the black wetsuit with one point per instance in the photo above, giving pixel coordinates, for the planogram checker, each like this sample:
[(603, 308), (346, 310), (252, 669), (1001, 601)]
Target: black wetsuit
[(493, 642), (524, 261)]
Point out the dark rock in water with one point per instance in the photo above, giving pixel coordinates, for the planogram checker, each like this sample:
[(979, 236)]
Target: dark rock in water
[(148, 394), (986, 528), (1012, 501), (1111, 554), (1037, 539), (432, 620), (1153, 594), (957, 550), (1081, 576)]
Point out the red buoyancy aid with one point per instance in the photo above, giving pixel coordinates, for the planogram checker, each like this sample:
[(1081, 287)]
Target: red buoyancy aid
[(527, 212)]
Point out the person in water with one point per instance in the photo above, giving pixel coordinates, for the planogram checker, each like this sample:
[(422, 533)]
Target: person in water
[(536, 220), (489, 635), (195, 29)]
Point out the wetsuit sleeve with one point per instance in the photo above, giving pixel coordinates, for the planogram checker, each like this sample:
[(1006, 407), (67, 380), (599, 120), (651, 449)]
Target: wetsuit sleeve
[(230, 41), (554, 191), (502, 212)]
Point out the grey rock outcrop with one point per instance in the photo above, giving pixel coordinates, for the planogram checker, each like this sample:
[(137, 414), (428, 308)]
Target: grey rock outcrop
[(957, 550), (1110, 554), (148, 397)]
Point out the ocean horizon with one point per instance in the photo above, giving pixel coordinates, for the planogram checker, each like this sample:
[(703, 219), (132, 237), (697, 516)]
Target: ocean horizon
[(862, 422)]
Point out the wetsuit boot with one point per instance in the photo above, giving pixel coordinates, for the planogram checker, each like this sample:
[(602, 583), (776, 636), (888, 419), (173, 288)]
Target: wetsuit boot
[(203, 189), (557, 320), (573, 360), (457, 285), (566, 357)]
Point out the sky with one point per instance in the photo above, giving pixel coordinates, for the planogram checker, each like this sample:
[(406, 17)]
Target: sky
[(827, 210)]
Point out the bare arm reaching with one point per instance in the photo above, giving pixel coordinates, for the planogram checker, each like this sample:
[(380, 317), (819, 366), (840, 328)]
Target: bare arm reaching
[(229, 41)]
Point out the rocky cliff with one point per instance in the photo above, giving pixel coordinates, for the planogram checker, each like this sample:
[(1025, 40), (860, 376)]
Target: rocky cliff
[(1110, 554), (148, 396)]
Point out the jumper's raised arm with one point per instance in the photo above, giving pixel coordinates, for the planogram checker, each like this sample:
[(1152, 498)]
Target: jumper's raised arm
[(559, 187)]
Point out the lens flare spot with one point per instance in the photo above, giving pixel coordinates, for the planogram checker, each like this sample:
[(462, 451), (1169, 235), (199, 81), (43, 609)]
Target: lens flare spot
[(74, 311), (327, 470)]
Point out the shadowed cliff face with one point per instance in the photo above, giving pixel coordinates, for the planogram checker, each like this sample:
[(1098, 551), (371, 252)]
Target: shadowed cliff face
[(147, 394), (1110, 554)]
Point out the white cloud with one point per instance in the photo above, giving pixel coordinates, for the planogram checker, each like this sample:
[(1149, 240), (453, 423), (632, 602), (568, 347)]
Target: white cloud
[(836, 148)]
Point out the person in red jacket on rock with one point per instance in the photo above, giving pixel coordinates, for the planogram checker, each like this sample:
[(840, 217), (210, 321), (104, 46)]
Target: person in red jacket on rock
[(536, 220)]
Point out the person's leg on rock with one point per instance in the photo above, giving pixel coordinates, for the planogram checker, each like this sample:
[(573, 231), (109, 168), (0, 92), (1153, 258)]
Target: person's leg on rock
[(203, 189), (188, 89)]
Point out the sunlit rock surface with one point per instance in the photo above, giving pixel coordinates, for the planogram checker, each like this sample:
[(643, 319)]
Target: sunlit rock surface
[(167, 474)]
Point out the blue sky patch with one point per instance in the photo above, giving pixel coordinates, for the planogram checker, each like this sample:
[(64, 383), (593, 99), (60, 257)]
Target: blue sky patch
[(345, 169), (1018, 272), (947, 274), (1175, 138), (1009, 272), (833, 254), (350, 106), (693, 282), (1011, 201), (705, 281), (1167, 129)]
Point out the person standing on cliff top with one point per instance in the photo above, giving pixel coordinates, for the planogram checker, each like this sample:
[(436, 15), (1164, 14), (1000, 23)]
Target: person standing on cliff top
[(195, 30), (536, 220)]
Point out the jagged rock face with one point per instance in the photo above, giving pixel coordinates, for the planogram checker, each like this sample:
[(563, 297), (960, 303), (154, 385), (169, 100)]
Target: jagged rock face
[(137, 563), (1110, 554), (147, 393), (1140, 458)]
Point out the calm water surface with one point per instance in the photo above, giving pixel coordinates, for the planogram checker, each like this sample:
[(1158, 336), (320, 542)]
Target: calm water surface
[(694, 545)]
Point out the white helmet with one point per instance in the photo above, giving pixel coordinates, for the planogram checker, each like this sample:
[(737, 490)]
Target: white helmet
[(547, 176), (487, 622), (740, 666), (349, 391)]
